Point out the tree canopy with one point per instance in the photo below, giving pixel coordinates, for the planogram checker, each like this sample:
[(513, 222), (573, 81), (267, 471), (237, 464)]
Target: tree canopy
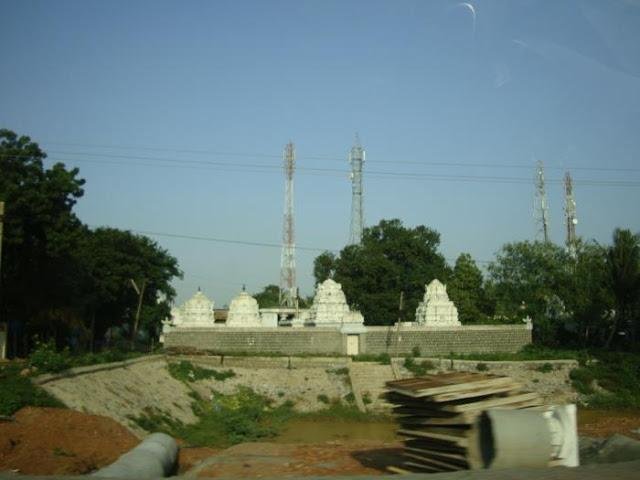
[(391, 259), (60, 279)]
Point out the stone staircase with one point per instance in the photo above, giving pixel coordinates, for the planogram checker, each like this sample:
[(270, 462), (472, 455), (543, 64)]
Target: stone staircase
[(368, 382)]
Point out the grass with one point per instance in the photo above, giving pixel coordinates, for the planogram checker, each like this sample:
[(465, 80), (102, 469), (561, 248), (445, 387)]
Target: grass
[(339, 411), (187, 372), (418, 369), (17, 391), (617, 373), (528, 353), (338, 371), (545, 368), (382, 358)]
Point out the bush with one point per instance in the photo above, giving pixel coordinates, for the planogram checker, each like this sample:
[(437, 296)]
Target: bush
[(545, 368), (339, 371), (323, 399), (46, 358), (415, 351), (418, 369), (482, 367), (187, 372), (17, 391), (382, 358)]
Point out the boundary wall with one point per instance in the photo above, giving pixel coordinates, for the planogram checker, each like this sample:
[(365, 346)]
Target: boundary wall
[(373, 340)]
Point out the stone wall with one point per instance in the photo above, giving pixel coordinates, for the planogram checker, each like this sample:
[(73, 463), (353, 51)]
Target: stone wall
[(376, 340), (439, 341), (323, 341)]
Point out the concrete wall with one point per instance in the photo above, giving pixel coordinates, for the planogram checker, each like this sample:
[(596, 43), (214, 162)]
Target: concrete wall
[(376, 340)]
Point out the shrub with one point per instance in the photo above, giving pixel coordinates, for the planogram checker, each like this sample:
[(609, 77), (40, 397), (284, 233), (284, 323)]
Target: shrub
[(418, 369), (17, 391), (482, 367), (46, 358), (323, 399), (545, 368), (187, 372), (339, 371), (382, 358), (366, 398), (415, 351)]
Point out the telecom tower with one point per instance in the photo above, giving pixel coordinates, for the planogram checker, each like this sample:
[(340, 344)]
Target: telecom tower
[(356, 158), (570, 213), (288, 293), (541, 212)]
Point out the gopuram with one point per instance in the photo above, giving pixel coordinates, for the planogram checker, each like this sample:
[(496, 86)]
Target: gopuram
[(436, 310), (330, 309)]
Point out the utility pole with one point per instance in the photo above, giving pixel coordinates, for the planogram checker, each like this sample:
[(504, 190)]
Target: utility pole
[(541, 207), (288, 291), (356, 159), (570, 214), (140, 291)]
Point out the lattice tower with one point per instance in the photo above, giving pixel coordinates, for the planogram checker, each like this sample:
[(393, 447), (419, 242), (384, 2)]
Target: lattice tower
[(570, 213), (288, 290), (356, 159), (541, 207)]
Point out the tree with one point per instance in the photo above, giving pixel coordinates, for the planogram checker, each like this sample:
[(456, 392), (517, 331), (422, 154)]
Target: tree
[(391, 259), (623, 262), (269, 297), (111, 259), (532, 279), (466, 290), (324, 266), (40, 233)]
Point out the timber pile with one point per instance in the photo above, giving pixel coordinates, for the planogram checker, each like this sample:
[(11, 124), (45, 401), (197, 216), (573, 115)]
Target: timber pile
[(437, 413)]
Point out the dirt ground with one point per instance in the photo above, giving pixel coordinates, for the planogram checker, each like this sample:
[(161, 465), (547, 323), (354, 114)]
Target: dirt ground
[(57, 441), (47, 441)]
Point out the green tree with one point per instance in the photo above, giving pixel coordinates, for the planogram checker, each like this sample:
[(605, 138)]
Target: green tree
[(269, 297), (623, 261), (532, 279), (111, 259), (391, 259), (466, 290), (39, 280), (324, 266)]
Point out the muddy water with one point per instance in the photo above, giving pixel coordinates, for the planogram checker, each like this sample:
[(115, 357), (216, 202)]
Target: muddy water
[(319, 431), (605, 422)]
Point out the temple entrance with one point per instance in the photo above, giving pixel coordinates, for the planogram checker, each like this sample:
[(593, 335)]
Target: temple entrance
[(353, 344)]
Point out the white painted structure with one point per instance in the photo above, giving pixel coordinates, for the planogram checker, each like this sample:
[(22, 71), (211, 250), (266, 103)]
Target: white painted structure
[(436, 310), (197, 312), (244, 312), (330, 309)]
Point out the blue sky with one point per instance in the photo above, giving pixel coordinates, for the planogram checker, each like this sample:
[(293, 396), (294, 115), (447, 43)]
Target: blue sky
[(457, 96)]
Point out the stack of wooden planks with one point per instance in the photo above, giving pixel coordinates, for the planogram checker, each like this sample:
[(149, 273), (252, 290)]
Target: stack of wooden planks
[(437, 414)]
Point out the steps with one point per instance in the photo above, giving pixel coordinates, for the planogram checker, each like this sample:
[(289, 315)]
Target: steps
[(368, 383)]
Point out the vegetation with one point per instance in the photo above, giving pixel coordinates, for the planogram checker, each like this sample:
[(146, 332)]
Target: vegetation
[(382, 358), (391, 259), (62, 280), (482, 367), (17, 391), (611, 381), (187, 372), (418, 369)]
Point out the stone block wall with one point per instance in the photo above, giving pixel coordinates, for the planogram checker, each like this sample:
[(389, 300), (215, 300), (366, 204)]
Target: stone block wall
[(376, 340), (323, 341), (439, 341)]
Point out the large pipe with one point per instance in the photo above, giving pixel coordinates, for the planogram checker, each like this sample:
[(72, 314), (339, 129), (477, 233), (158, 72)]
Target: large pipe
[(154, 457)]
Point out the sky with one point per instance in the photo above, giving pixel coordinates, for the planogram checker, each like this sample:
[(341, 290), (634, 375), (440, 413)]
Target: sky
[(177, 113)]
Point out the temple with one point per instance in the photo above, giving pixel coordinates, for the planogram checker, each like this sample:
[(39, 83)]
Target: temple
[(330, 308), (436, 310), (244, 312)]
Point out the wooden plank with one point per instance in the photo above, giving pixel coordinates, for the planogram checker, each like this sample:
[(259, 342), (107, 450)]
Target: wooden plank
[(464, 418), (480, 392), (433, 461), (429, 444), (491, 402), (454, 458), (450, 388), (394, 469), (426, 467), (445, 437)]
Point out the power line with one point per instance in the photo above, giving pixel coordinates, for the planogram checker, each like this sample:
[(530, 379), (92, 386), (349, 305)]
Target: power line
[(337, 158), (264, 168)]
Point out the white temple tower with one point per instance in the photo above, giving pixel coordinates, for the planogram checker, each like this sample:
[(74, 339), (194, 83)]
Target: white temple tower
[(436, 310)]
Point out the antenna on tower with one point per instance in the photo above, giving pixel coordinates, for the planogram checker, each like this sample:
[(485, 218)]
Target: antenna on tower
[(288, 291), (541, 211), (570, 214), (356, 159)]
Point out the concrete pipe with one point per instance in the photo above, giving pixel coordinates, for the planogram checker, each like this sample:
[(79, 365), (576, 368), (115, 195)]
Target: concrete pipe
[(525, 438), (154, 457)]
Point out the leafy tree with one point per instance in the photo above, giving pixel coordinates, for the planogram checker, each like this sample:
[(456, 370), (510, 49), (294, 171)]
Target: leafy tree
[(40, 233), (391, 259), (111, 259), (269, 297), (466, 290), (623, 261), (532, 279), (324, 266)]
